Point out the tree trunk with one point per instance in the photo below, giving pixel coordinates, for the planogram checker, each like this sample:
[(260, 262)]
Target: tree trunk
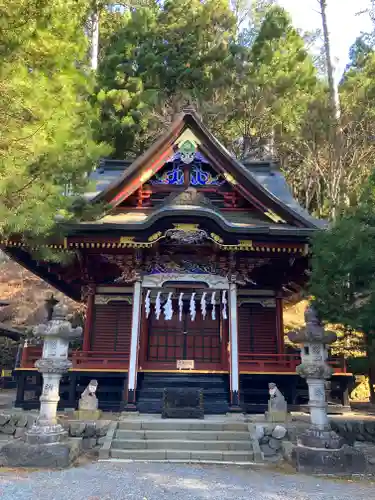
[(95, 37), (333, 92), (334, 105), (370, 351)]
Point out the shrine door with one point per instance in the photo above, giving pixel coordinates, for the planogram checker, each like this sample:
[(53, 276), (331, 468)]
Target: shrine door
[(201, 340)]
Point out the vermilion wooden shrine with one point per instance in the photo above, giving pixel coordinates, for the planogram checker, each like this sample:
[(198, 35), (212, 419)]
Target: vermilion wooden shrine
[(184, 276)]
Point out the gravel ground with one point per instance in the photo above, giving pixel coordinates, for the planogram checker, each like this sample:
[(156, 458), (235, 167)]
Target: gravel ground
[(153, 481)]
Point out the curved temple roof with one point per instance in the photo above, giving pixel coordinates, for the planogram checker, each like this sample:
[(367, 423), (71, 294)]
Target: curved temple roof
[(117, 179)]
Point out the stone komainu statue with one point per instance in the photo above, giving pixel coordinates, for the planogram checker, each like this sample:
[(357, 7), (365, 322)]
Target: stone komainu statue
[(88, 400)]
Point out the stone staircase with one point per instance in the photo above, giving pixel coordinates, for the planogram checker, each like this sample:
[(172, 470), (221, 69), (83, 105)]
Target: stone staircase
[(181, 440), (215, 390)]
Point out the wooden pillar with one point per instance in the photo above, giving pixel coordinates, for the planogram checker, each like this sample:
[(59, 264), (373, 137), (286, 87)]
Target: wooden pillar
[(233, 332), (86, 346), (279, 325), (132, 372)]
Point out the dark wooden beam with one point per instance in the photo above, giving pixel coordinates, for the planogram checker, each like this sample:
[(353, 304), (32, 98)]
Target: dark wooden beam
[(25, 260)]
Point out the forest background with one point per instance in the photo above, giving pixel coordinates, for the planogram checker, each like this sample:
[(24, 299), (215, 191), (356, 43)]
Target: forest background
[(82, 79)]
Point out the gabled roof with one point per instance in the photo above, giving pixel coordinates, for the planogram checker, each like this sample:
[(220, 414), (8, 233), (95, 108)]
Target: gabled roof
[(266, 189)]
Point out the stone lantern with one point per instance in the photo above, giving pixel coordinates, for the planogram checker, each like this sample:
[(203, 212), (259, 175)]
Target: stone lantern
[(320, 449), (56, 333), (314, 341)]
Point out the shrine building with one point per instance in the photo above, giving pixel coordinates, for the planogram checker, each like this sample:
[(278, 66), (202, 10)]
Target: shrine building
[(184, 276)]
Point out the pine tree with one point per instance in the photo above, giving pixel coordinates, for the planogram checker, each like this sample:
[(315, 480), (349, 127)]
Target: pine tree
[(46, 121), (167, 55), (274, 82), (343, 269)]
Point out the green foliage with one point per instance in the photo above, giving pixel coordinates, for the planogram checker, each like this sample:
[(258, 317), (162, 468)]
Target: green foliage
[(164, 55), (274, 82), (46, 121), (168, 54), (343, 270)]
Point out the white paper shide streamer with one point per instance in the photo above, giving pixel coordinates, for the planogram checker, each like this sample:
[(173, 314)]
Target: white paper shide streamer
[(193, 311), (203, 305), (213, 303), (148, 303), (168, 308), (180, 306), (224, 301), (158, 306)]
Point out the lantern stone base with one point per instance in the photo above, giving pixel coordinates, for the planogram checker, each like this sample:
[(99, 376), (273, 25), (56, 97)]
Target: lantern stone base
[(22, 454), (321, 438), (45, 434), (341, 462)]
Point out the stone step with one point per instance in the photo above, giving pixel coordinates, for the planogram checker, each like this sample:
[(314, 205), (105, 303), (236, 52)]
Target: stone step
[(205, 435), (154, 406), (186, 455), (212, 392), (182, 425), (181, 444)]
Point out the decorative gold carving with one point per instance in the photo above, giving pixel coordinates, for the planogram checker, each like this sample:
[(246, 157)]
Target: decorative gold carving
[(106, 299), (273, 216), (126, 239), (186, 227), (155, 236), (216, 238), (246, 243), (228, 177)]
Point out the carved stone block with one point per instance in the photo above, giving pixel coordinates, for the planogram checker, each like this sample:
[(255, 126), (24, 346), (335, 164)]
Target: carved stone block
[(183, 403), (343, 462)]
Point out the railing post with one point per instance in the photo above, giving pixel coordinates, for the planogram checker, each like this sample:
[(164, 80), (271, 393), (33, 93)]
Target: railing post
[(90, 296)]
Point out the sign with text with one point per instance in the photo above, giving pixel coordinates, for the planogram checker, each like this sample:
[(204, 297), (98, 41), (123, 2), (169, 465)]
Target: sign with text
[(185, 364)]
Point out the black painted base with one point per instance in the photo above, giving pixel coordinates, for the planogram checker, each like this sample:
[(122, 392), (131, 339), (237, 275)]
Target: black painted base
[(343, 462), (131, 407), (110, 391), (131, 396), (234, 398)]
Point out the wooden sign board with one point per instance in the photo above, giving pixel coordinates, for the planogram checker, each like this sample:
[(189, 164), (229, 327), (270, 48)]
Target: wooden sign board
[(185, 364)]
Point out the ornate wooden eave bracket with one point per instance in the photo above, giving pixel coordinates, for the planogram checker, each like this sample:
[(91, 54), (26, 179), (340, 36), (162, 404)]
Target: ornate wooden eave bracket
[(183, 234)]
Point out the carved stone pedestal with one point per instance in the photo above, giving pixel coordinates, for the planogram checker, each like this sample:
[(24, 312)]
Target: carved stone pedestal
[(344, 461), (320, 450), (21, 454), (46, 429), (45, 444), (318, 438), (183, 403)]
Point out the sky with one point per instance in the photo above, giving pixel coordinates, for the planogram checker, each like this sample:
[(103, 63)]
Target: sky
[(343, 24)]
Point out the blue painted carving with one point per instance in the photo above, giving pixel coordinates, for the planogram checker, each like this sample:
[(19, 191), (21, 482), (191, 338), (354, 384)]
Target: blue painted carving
[(202, 177), (174, 176), (200, 174)]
